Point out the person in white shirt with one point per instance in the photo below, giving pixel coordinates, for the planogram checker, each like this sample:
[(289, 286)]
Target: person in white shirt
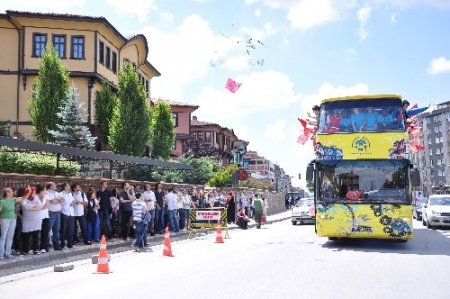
[(185, 211), (32, 219), (45, 227), (150, 199), (172, 208), (67, 213), (54, 208), (139, 209), (80, 202)]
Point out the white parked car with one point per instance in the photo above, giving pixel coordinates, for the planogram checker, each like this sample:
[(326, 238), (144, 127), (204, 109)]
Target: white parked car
[(304, 211), (436, 211)]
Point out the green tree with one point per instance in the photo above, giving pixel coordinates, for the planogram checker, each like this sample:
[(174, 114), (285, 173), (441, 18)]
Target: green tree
[(71, 132), (105, 101), (222, 178), (49, 95), (129, 130), (162, 130)]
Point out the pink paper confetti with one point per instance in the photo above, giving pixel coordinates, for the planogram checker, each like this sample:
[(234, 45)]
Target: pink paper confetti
[(232, 85)]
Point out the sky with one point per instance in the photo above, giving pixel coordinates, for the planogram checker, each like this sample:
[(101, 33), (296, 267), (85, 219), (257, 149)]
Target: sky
[(311, 49)]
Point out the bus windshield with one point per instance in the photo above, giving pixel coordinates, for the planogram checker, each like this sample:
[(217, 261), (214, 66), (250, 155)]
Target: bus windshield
[(377, 115), (363, 181)]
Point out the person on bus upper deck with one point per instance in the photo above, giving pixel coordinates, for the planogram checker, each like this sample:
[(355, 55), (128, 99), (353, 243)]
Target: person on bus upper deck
[(333, 123), (345, 121), (372, 117), (313, 120), (385, 120), (358, 120), (405, 106)]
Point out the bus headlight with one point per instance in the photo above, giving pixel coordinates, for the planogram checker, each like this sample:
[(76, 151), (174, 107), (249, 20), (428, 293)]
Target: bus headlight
[(434, 213)]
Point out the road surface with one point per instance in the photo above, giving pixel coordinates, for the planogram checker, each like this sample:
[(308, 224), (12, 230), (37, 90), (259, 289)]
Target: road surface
[(278, 261)]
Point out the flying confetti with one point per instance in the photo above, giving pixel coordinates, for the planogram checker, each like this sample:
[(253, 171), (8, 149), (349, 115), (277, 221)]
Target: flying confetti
[(232, 85)]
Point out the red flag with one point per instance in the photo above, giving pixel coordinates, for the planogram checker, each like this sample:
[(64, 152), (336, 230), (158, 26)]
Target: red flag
[(415, 106)]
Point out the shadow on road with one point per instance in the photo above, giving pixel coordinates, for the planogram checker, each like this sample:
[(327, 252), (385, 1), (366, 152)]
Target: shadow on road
[(425, 242)]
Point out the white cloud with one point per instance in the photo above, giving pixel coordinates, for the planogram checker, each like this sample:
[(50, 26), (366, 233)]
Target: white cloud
[(260, 92), (438, 66), (258, 12), (237, 63), (363, 15), (259, 34), (184, 54), (137, 8), (45, 6), (276, 131), (312, 13)]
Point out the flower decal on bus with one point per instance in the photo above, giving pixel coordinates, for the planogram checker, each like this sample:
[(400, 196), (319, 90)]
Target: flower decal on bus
[(328, 152), (394, 227), (361, 144)]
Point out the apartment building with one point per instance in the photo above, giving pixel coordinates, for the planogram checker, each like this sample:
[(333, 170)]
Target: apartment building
[(181, 113), (91, 47), (434, 161), (218, 137)]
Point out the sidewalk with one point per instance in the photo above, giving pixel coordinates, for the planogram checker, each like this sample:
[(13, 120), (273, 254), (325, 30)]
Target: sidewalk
[(79, 252)]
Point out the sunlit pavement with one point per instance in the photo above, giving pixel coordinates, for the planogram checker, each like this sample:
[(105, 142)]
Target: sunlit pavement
[(278, 261)]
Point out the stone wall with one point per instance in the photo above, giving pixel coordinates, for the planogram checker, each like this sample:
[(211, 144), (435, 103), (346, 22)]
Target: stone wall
[(275, 200)]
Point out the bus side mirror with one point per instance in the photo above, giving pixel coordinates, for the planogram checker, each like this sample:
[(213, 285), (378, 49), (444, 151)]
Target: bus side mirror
[(310, 172), (415, 178)]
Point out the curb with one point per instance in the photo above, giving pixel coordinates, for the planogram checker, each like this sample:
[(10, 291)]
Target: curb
[(54, 258)]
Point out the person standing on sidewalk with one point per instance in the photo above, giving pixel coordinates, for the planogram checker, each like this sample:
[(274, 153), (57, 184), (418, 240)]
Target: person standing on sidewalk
[(54, 211), (172, 208), (139, 208), (187, 203), (32, 219), (80, 202), (45, 226), (258, 208), (159, 219), (150, 200), (67, 220), (92, 219), (8, 220), (126, 199), (104, 197)]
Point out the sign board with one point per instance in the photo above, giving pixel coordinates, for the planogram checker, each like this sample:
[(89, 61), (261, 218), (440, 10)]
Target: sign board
[(207, 218)]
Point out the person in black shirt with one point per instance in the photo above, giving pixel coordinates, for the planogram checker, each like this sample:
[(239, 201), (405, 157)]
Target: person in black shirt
[(104, 196), (159, 219), (126, 198)]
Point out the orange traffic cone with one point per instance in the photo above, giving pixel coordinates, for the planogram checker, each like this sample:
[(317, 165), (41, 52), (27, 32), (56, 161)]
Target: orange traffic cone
[(102, 266), (219, 238), (167, 248)]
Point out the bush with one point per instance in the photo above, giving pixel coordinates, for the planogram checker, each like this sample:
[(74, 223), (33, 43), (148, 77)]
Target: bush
[(34, 163)]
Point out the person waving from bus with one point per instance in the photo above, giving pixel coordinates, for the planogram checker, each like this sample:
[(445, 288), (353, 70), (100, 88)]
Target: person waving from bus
[(358, 120)]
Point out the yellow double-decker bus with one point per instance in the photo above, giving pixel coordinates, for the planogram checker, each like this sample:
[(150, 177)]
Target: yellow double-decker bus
[(362, 173)]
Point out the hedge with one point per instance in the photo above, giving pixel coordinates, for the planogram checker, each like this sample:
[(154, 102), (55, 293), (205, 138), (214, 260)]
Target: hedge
[(34, 163)]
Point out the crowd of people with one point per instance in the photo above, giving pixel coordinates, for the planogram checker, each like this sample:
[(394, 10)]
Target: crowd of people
[(34, 220)]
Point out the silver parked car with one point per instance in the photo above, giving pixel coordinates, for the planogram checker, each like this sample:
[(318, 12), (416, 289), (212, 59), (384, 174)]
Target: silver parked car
[(436, 211), (304, 211)]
